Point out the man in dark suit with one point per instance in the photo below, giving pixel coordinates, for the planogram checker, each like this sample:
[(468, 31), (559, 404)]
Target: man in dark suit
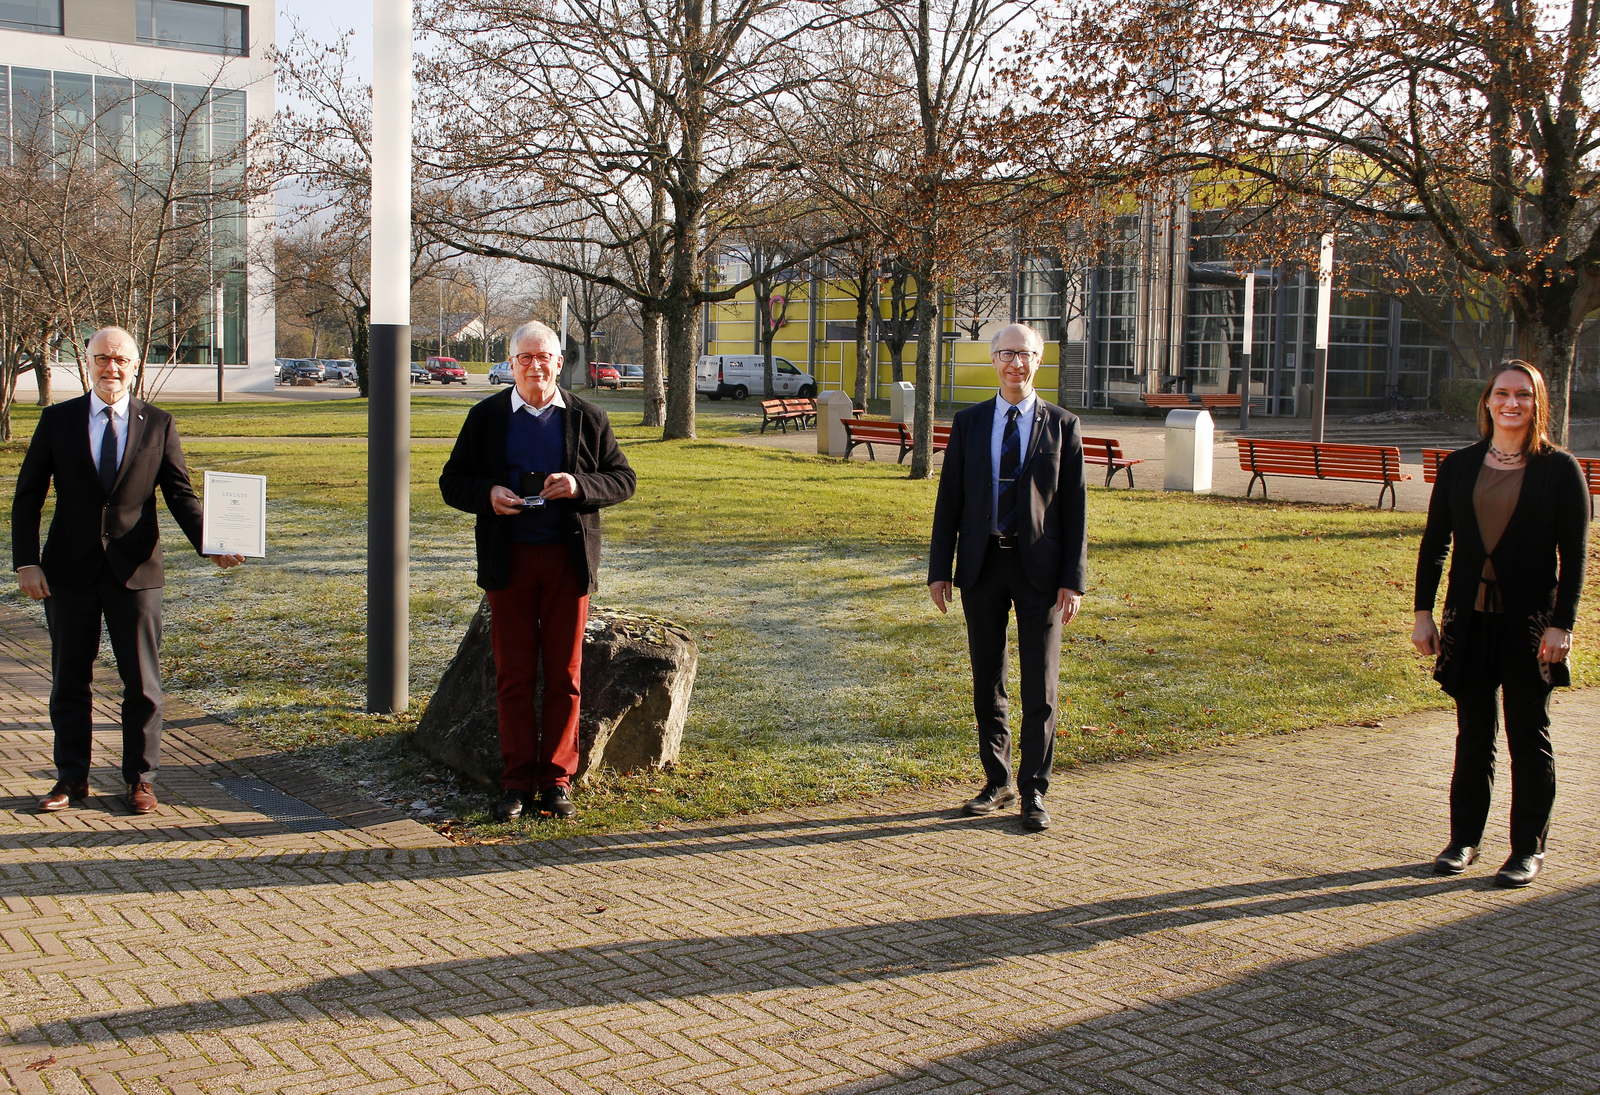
[(1010, 516), (535, 463), (106, 453)]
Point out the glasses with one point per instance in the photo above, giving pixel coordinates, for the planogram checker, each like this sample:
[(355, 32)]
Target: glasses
[(103, 360), (528, 359), (1026, 357)]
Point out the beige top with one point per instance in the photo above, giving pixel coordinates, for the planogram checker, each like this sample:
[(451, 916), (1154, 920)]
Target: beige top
[(1494, 499)]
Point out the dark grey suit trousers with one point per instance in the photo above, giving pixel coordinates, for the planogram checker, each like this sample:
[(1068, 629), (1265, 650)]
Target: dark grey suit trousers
[(1001, 587), (133, 620)]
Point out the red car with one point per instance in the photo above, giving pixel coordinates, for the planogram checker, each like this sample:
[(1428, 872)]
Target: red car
[(445, 370), (603, 374)]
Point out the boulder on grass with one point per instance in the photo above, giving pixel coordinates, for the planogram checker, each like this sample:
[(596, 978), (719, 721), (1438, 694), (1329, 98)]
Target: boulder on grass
[(638, 672)]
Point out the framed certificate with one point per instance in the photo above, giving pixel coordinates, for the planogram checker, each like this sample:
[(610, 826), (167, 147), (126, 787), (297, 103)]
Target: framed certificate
[(235, 515)]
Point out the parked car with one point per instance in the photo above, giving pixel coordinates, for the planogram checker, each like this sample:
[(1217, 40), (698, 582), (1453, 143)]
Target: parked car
[(342, 369), (603, 374), (277, 369), (500, 374), (302, 368), (419, 374), (446, 370), (739, 375), (630, 376)]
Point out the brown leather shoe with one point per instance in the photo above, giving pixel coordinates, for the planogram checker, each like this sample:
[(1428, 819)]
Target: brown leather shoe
[(62, 795), (141, 797)]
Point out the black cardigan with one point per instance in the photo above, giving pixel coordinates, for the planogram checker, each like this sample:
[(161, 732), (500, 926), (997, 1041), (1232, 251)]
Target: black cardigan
[(478, 462), (1549, 526)]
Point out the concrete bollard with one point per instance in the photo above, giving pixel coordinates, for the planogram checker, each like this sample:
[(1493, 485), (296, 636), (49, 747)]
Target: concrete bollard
[(833, 408), (1189, 440), (903, 402)]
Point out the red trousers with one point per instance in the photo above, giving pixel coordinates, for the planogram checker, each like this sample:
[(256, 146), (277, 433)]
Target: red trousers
[(538, 617)]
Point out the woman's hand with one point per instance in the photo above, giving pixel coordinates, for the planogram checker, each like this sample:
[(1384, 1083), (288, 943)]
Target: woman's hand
[(1555, 646), (1424, 635)]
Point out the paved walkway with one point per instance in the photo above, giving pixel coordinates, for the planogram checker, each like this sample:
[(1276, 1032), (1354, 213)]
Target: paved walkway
[(1256, 918)]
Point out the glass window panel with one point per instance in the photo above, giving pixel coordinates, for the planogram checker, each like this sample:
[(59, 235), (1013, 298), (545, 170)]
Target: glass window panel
[(39, 16), (113, 103), (74, 110), (5, 115), (180, 24), (30, 114), (152, 125)]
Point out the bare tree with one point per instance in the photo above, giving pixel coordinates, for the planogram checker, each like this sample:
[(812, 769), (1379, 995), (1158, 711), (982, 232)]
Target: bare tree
[(649, 120), (1472, 120)]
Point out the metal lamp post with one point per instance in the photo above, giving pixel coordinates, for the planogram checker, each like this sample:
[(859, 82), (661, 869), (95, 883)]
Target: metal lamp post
[(1249, 346), (1319, 377), (389, 364)]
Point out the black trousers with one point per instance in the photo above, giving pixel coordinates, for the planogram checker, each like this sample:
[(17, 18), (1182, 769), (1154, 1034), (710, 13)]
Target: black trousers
[(988, 604), (1504, 660), (133, 620)]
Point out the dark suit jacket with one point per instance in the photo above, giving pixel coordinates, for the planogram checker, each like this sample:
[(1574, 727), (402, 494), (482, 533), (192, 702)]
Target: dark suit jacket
[(478, 462), (1051, 519), (89, 527)]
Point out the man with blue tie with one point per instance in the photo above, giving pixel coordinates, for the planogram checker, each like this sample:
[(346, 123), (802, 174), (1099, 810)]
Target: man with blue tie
[(105, 453), (1009, 530)]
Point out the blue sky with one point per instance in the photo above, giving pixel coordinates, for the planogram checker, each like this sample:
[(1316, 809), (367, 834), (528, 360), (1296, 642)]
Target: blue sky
[(326, 20)]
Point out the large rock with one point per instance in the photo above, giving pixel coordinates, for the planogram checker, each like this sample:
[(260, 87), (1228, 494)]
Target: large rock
[(638, 672)]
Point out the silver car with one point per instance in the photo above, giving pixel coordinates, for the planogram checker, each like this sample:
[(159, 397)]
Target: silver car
[(342, 369), (501, 373)]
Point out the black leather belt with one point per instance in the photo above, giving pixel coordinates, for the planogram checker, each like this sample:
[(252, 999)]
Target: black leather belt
[(1005, 543)]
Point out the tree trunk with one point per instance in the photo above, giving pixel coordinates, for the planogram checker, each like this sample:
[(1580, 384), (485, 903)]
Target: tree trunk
[(655, 392), (927, 346), (864, 279), (359, 343), (1551, 350), (681, 317), (41, 373)]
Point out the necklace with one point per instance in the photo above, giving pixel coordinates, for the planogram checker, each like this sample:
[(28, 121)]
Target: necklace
[(1505, 457)]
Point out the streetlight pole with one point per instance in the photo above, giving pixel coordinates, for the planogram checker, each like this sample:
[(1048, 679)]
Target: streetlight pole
[(1249, 346), (1319, 378), (389, 364)]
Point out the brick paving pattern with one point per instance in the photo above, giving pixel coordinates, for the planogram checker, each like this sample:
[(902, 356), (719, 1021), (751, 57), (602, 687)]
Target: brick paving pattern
[(1253, 918)]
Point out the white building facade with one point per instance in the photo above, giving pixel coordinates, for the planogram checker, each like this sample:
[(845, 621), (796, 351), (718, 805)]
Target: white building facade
[(138, 62)]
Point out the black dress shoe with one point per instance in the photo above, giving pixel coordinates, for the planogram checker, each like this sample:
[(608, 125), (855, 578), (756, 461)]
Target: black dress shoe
[(1518, 871), (1034, 816), (1454, 859), (990, 799), (554, 801), (62, 795), (510, 807)]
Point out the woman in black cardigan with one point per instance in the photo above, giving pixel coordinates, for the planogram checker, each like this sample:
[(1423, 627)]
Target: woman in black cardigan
[(1517, 510)]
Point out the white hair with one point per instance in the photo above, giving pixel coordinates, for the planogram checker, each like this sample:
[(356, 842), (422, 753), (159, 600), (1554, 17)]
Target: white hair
[(533, 331), (113, 330), (1033, 337)]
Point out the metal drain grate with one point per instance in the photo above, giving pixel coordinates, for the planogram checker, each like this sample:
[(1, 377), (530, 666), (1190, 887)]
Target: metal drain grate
[(286, 810)]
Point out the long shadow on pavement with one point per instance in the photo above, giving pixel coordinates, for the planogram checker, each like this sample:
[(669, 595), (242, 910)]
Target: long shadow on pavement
[(666, 969)]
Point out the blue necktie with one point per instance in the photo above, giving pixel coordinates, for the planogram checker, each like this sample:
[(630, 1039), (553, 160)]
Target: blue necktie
[(108, 453), (1010, 457)]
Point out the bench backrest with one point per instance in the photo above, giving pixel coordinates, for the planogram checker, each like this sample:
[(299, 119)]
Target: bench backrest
[(876, 429), (1430, 463), (773, 406), (1591, 473), (1102, 448), (1166, 399), (804, 406), (1320, 460), (1219, 399)]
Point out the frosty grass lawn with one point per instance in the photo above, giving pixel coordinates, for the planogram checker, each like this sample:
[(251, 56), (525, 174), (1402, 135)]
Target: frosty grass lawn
[(824, 671)]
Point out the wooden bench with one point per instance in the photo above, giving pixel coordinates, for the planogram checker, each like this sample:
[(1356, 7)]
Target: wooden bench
[(1212, 401), (1165, 400), (1318, 460), (805, 408), (1108, 451), (1590, 466), (779, 411), (880, 431)]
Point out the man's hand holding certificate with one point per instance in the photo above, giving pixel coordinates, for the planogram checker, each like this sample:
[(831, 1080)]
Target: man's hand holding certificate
[(235, 518)]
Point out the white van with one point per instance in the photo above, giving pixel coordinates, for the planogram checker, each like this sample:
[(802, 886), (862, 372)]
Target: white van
[(741, 375)]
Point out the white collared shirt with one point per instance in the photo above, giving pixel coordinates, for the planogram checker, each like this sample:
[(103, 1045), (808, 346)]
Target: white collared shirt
[(997, 433), (518, 403), (97, 425)]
